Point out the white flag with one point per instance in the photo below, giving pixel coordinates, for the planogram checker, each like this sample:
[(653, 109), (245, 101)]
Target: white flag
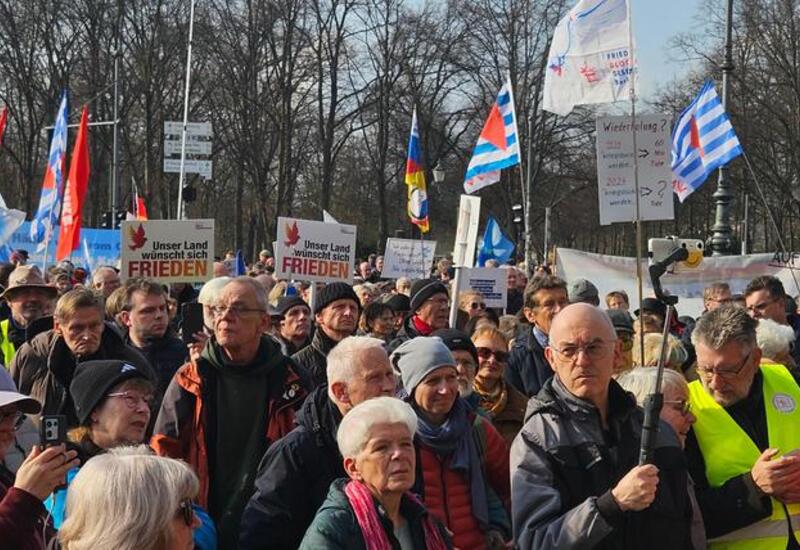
[(10, 221), (590, 56)]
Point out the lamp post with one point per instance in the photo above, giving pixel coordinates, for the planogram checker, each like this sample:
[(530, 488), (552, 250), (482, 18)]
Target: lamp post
[(518, 221), (439, 172), (722, 242)]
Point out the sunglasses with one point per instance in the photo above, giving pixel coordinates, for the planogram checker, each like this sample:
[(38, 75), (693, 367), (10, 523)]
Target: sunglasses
[(683, 407), (477, 305), (17, 416), (485, 353), (186, 510)]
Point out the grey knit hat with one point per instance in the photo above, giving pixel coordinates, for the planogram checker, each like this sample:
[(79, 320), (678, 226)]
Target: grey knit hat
[(418, 357)]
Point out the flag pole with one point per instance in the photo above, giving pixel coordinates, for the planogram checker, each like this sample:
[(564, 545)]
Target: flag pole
[(639, 283), (182, 175), (521, 171)]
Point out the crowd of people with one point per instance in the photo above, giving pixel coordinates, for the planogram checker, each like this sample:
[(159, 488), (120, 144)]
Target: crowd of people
[(355, 416)]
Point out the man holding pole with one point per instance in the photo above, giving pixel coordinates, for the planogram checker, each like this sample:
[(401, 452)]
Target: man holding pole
[(575, 480), (743, 449)]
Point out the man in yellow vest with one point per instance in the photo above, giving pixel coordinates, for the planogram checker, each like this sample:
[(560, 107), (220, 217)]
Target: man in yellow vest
[(743, 451), (29, 299)]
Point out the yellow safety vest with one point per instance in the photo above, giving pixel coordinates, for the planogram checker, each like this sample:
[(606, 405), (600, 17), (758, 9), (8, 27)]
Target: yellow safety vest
[(729, 452), (6, 347)]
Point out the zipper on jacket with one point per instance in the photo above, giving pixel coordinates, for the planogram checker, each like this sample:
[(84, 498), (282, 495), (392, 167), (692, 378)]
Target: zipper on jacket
[(444, 491)]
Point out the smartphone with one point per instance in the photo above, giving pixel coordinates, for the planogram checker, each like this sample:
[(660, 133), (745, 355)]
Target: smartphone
[(52, 430), (192, 315)]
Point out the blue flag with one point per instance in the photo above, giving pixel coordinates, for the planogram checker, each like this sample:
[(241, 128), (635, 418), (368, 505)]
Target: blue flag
[(495, 245), (240, 268)]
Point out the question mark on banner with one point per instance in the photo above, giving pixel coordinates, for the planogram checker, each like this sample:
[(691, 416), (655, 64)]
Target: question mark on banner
[(663, 123), (663, 185)]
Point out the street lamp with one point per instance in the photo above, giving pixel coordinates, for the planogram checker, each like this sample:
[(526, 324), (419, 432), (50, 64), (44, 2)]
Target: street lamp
[(439, 172), (722, 237), (518, 221)]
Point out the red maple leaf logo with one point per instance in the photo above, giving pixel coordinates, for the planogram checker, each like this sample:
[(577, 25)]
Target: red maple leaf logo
[(137, 238), (292, 235)]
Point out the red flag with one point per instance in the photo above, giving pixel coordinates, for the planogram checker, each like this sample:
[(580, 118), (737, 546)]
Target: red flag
[(141, 209), (3, 120), (77, 184)]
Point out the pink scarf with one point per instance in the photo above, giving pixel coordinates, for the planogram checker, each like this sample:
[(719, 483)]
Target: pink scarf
[(371, 528)]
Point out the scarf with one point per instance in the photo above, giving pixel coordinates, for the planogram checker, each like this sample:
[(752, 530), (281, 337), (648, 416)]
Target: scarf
[(492, 401), (423, 328), (454, 438), (371, 527)]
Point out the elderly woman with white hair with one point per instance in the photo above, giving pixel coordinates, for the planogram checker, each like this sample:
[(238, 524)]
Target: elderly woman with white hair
[(131, 499), (776, 342), (374, 508), (677, 413)]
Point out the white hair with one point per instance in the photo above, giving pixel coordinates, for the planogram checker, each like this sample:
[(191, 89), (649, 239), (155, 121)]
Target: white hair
[(353, 433), (125, 499), (640, 381), (775, 340), (211, 289), (99, 270), (344, 359)]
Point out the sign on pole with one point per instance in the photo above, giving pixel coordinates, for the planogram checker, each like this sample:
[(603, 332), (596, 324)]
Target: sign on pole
[(193, 147), (175, 128), (169, 251), (408, 258), (615, 168), (491, 282), (309, 250), (190, 166), (198, 143), (469, 213)]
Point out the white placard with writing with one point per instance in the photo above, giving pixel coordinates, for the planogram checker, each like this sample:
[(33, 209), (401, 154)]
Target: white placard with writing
[(469, 214), (408, 258), (615, 168), (491, 282), (308, 250), (169, 251)]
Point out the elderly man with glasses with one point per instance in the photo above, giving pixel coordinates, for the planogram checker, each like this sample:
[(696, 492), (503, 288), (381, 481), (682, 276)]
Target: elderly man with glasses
[(742, 450), (223, 409), (575, 478)]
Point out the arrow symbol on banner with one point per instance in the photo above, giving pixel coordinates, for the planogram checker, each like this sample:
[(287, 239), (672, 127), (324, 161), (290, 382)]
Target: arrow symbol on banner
[(645, 191), (643, 153)]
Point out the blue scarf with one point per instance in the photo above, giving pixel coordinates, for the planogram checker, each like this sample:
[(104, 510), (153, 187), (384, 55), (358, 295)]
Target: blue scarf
[(454, 439)]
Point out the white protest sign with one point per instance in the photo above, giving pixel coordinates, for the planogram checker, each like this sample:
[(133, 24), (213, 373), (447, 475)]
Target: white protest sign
[(491, 282), (469, 214), (169, 251), (309, 250), (615, 168), (619, 273), (408, 258)]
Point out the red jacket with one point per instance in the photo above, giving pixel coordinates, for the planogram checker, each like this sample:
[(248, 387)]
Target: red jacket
[(447, 492), (22, 518), (180, 430)]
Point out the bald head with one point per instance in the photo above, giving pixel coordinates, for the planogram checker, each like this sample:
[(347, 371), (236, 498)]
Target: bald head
[(584, 316)]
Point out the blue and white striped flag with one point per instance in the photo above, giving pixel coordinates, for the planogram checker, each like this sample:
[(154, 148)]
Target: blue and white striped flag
[(498, 143), (46, 216), (702, 141)]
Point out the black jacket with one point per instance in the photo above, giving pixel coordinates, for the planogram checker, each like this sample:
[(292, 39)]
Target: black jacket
[(738, 502), (293, 478), (313, 359), (564, 466), (166, 355), (406, 332), (527, 368)]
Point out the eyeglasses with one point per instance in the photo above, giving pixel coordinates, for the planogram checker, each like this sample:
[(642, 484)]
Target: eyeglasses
[(477, 305), (132, 400), (236, 311), (682, 406), (762, 307), (17, 416), (186, 510), (499, 356), (596, 350), (727, 374)]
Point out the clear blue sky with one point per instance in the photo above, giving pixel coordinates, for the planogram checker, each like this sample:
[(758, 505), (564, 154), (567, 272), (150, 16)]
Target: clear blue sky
[(654, 23)]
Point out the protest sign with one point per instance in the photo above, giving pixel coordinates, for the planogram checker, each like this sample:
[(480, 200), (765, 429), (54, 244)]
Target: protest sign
[(309, 250), (408, 258), (619, 273), (491, 282), (98, 247), (168, 251), (469, 213), (615, 168)]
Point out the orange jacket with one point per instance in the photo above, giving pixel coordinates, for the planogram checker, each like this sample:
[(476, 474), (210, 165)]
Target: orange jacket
[(447, 492), (180, 428)]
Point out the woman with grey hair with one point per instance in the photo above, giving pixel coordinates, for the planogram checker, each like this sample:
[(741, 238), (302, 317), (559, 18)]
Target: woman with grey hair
[(776, 342), (131, 499), (374, 509)]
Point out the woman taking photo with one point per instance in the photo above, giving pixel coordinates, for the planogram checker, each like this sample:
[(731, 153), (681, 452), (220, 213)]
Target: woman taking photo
[(462, 463), (504, 403), (374, 509)]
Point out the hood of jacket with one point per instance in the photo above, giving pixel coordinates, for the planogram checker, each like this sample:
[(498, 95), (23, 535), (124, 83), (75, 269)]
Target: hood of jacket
[(320, 416)]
